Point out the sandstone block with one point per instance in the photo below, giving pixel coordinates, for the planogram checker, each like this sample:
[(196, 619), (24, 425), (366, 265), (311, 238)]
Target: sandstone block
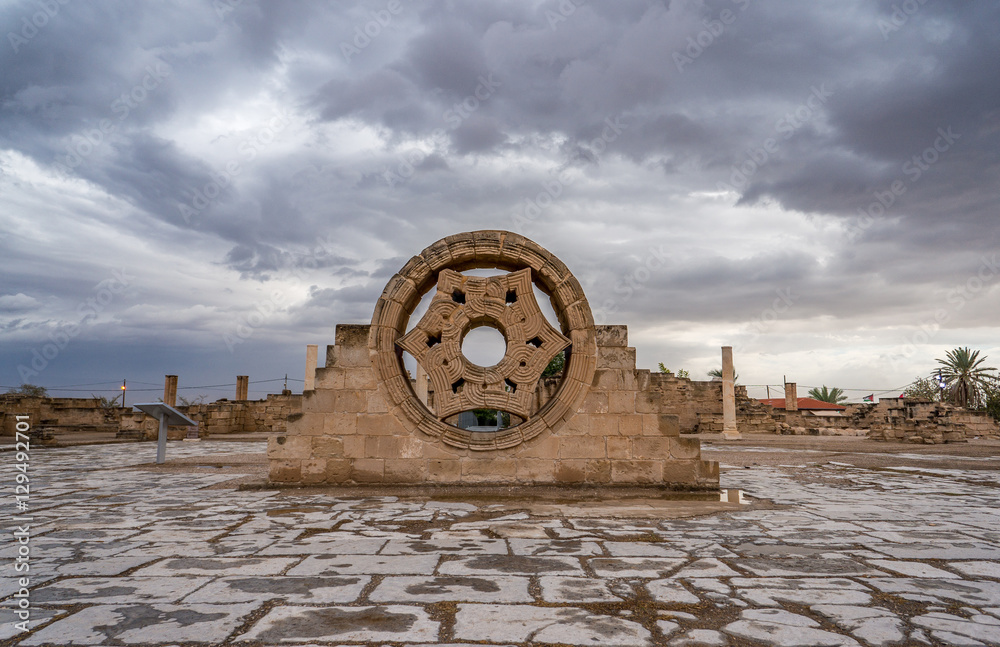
[(348, 401), (630, 424), (651, 447), (612, 335), (585, 447), (604, 425), (618, 447), (313, 471), (613, 357), (607, 379), (571, 471), (535, 470), (285, 471), (379, 424), (596, 402), (405, 470), (621, 402), (636, 471), (329, 378), (338, 470), (355, 446), (288, 447), (444, 470), (475, 470), (546, 447), (359, 379), (340, 424), (327, 447), (680, 472), (685, 448), (598, 471), (368, 470)]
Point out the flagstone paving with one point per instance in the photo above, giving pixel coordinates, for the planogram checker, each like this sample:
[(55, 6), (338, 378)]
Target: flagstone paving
[(829, 554)]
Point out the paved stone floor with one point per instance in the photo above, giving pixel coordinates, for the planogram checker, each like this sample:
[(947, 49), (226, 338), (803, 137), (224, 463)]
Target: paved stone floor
[(829, 555)]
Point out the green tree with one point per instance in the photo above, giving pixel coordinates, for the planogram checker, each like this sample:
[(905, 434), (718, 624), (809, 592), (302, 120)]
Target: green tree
[(924, 388), (30, 390), (833, 396), (967, 380), (680, 372), (992, 398), (556, 366)]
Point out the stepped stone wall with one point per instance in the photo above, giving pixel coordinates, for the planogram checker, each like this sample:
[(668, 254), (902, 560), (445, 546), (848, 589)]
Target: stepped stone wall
[(618, 435)]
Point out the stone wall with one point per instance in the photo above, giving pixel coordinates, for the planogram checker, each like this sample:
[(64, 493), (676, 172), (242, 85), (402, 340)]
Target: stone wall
[(220, 418), (58, 414), (86, 415), (618, 435), (922, 421)]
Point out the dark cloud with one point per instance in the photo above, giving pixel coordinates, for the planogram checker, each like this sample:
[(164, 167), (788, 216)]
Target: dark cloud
[(753, 147)]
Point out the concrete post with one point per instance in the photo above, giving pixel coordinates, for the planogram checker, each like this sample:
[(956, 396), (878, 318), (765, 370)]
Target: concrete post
[(729, 430), (312, 353), (420, 377), (170, 390), (791, 397), (242, 387)]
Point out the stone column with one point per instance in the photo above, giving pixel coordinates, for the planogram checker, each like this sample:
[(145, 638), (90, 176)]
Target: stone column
[(242, 387), (420, 386), (312, 353), (170, 391), (729, 430), (791, 397)]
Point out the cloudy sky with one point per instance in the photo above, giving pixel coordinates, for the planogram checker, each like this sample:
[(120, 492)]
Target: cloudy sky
[(203, 188)]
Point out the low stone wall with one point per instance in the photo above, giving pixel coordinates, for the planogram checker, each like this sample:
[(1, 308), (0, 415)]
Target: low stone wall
[(83, 414), (86, 414), (922, 421), (220, 418)]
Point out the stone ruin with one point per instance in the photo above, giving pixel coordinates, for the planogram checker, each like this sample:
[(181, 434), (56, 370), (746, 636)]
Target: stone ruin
[(364, 422)]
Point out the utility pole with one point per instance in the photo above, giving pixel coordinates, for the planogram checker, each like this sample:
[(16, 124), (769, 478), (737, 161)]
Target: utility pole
[(123, 393)]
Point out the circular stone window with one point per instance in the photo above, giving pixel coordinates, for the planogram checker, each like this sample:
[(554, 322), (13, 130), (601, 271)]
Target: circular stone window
[(445, 342), (484, 346)]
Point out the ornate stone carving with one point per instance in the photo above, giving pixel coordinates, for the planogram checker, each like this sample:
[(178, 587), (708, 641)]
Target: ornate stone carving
[(462, 303), (486, 303)]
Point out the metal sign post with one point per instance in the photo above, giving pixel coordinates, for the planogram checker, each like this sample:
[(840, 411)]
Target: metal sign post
[(167, 415)]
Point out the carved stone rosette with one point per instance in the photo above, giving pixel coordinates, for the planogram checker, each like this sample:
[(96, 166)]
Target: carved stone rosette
[(462, 303)]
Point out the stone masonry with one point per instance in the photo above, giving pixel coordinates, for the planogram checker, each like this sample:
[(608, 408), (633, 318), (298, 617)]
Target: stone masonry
[(603, 425)]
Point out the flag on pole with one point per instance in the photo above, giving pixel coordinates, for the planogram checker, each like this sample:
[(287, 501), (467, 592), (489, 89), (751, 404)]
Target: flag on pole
[(869, 398)]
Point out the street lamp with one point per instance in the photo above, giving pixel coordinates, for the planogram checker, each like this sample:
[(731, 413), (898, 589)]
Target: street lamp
[(123, 394)]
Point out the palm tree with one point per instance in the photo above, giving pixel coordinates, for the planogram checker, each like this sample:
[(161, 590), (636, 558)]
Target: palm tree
[(966, 379), (833, 396), (717, 372)]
